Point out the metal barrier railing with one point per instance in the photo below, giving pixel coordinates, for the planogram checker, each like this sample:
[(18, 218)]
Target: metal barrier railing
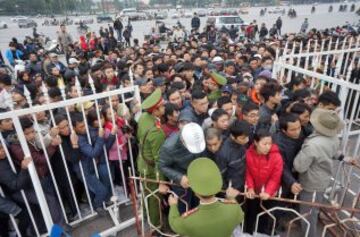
[(332, 207), (330, 67), (39, 192)]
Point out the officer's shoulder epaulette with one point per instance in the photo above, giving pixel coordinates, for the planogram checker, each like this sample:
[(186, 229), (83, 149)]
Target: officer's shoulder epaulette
[(227, 201), (189, 213)]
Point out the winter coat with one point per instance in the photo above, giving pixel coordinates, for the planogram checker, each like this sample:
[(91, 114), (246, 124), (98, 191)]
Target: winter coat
[(195, 22), (10, 57), (175, 158), (231, 162), (189, 114), (263, 32), (37, 155), (96, 150), (264, 170), (289, 148), (122, 141), (314, 162)]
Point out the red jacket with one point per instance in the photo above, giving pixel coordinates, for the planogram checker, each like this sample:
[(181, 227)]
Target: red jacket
[(264, 170)]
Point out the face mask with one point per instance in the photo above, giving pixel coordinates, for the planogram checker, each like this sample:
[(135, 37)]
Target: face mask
[(268, 67)]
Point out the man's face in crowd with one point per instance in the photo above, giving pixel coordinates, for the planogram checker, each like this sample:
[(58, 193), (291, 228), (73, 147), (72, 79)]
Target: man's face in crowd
[(252, 117), (268, 64), (293, 129), (258, 84), (242, 139), (54, 59), (201, 105), (160, 111), (229, 109), (174, 118), (149, 74), (214, 144), (175, 98), (222, 123), (33, 57), (55, 71), (187, 57), (304, 118), (30, 134), (63, 28), (73, 92), (230, 70), (275, 99), (6, 125), (188, 74), (327, 107), (80, 128), (64, 129), (109, 73), (139, 70), (254, 64)]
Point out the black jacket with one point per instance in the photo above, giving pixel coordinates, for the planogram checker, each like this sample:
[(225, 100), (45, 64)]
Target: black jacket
[(289, 148), (195, 22), (231, 162)]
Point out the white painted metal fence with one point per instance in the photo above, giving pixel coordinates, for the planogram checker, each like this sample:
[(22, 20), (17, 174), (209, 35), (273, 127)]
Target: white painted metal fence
[(65, 104)]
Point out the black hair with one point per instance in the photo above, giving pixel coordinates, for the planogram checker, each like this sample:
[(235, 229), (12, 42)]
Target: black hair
[(329, 97), (178, 85), (5, 79), (295, 81), (287, 118), (223, 100), (299, 108), (240, 128), (301, 94), (59, 117), (269, 89), (210, 133), (171, 91), (261, 133), (92, 117), (169, 110), (248, 107), (76, 117), (51, 81), (54, 92), (26, 123), (104, 108), (198, 95), (217, 114)]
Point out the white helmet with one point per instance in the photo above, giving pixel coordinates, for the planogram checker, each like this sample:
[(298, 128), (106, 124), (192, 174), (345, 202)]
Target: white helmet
[(192, 137)]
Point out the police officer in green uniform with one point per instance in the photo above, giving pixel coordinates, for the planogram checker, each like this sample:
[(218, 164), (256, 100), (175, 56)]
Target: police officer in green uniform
[(215, 82), (212, 218), (150, 137)]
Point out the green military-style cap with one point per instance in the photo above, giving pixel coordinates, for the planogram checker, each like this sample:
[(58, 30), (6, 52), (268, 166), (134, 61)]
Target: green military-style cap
[(218, 78), (152, 101), (204, 177)]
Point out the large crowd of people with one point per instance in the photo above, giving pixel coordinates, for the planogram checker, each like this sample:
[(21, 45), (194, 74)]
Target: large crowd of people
[(209, 94)]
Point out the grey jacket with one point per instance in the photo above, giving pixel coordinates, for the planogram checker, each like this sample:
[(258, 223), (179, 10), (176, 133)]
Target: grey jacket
[(175, 158), (314, 162)]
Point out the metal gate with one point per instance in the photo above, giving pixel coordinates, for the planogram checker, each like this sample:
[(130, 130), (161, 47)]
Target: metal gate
[(83, 213)]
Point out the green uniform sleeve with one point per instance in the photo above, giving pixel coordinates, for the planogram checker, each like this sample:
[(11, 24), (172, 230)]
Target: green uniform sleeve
[(156, 138), (175, 220), (241, 214)]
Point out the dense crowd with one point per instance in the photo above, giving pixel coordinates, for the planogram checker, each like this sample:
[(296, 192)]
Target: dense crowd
[(209, 93)]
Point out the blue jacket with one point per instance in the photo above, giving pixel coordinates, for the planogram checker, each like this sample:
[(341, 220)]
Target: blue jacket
[(96, 150), (10, 57)]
